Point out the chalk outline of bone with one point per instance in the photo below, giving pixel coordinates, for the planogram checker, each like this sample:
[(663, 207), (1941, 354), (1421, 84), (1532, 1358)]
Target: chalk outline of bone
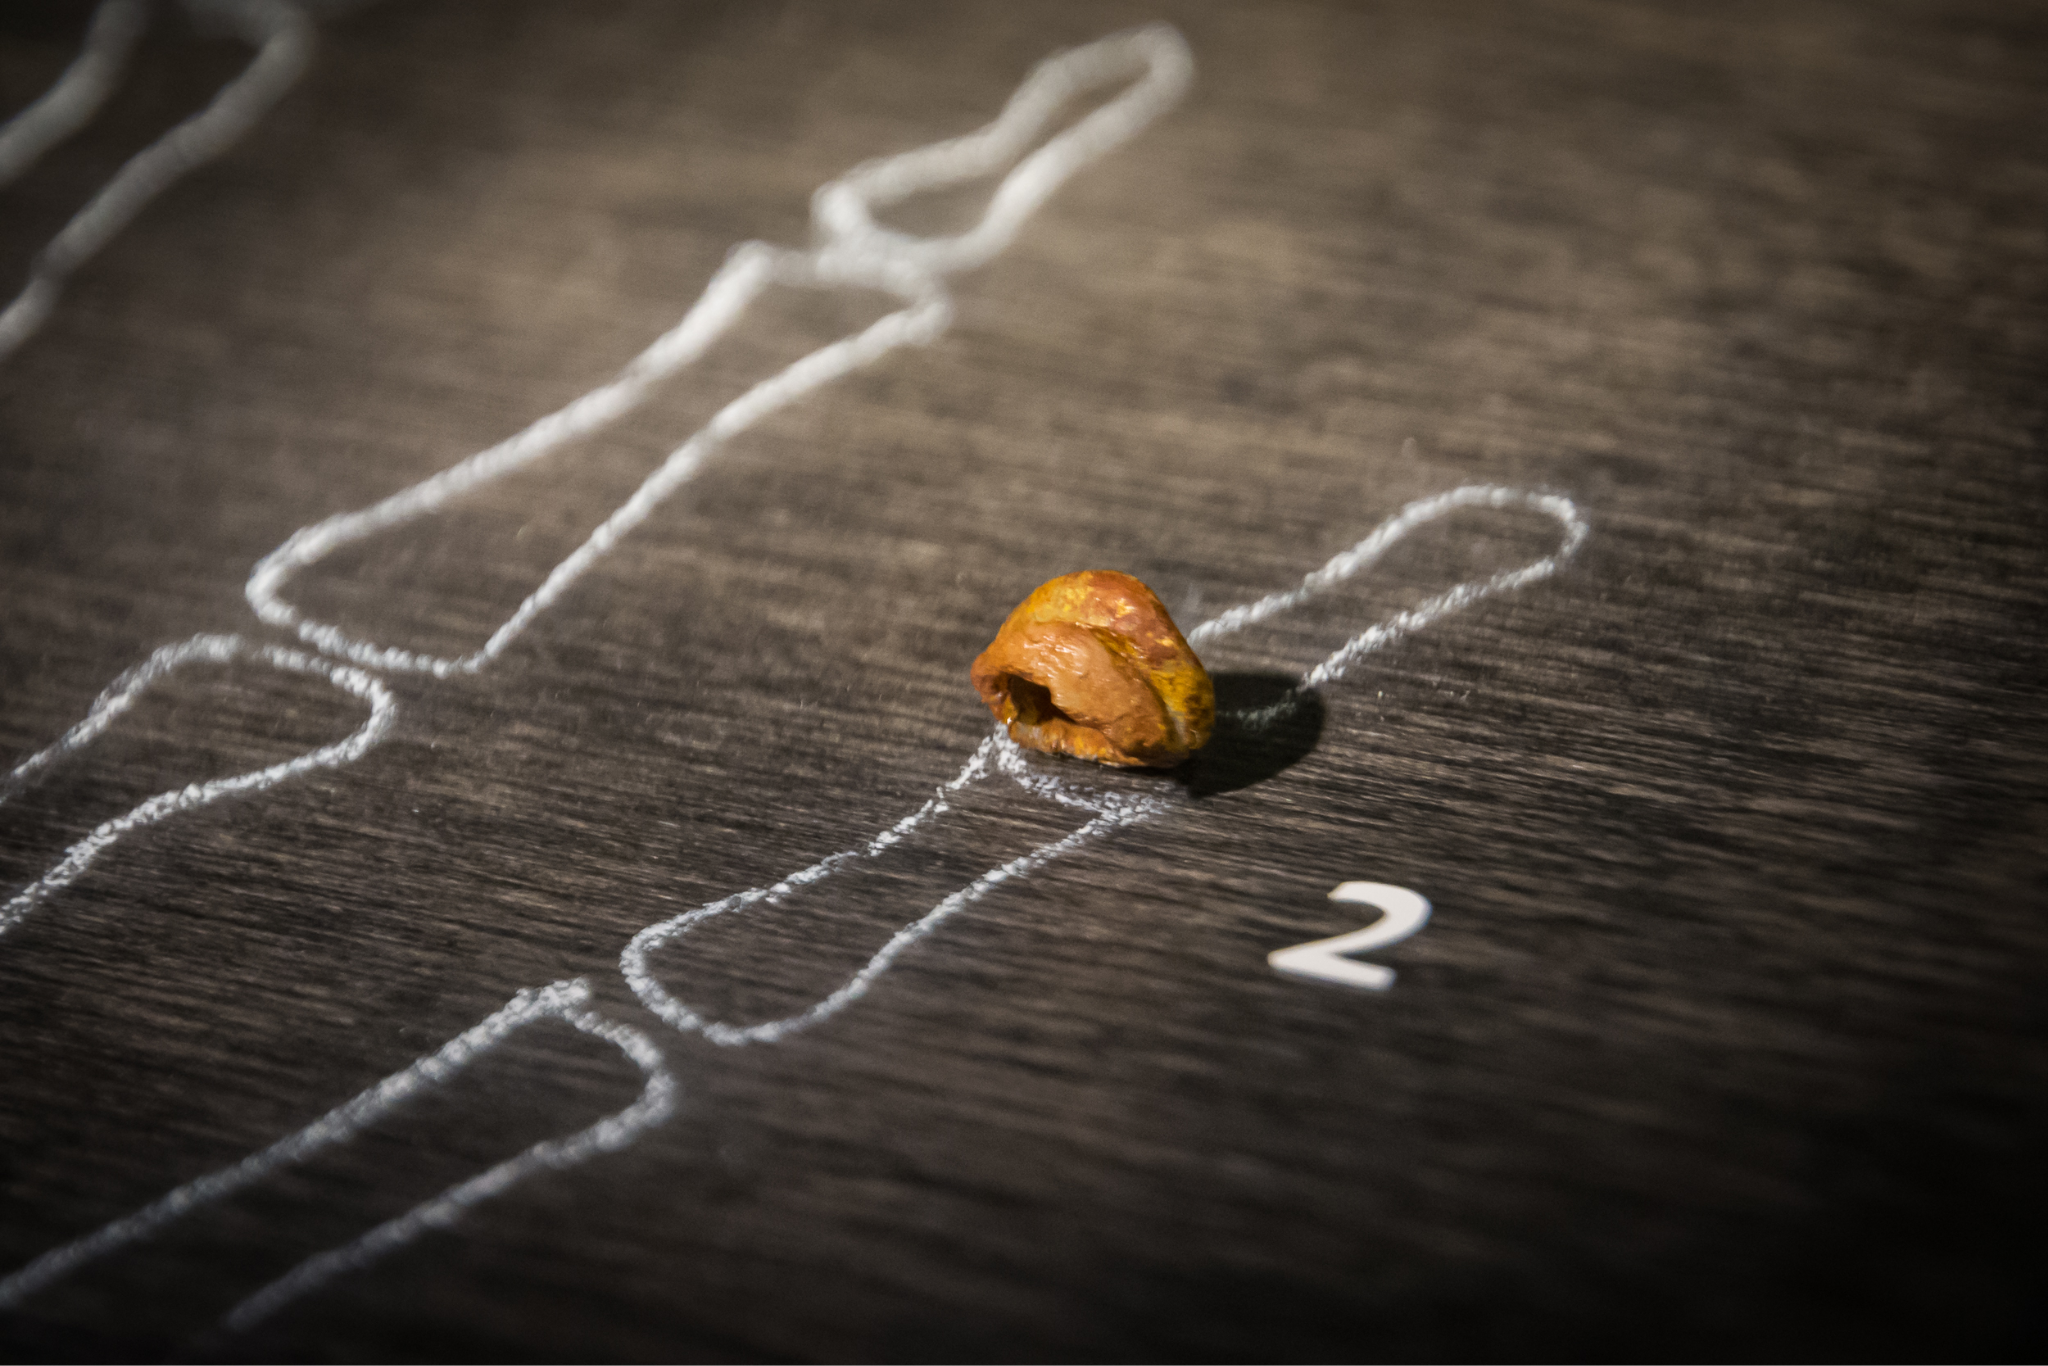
[(996, 753), (283, 38), (853, 252), (122, 694), (83, 87), (565, 1001)]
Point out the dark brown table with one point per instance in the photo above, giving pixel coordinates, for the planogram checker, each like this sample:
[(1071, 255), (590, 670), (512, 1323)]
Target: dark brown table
[(1726, 1036)]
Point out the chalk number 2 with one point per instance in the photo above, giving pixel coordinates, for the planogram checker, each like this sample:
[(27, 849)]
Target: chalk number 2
[(1402, 913)]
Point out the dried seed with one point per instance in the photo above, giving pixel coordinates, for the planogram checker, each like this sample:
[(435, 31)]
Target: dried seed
[(1091, 665)]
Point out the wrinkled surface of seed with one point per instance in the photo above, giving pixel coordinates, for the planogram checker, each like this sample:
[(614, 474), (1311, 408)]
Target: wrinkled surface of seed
[(1091, 665)]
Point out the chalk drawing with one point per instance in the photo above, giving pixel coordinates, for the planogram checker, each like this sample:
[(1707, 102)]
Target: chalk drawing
[(1405, 912), (122, 694), (1111, 812), (565, 1001), (78, 94), (1328, 960), (852, 253), (283, 38), (655, 1104)]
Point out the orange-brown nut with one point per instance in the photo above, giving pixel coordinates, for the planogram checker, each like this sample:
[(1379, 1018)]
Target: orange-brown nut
[(1091, 665)]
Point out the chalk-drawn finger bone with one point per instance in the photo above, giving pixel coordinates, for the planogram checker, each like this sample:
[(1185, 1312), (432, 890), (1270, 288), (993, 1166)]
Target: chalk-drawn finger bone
[(996, 754), (1383, 538), (69, 105), (855, 252), (1156, 55), (633, 964), (1109, 813), (746, 275), (283, 38), (122, 694), (565, 1001)]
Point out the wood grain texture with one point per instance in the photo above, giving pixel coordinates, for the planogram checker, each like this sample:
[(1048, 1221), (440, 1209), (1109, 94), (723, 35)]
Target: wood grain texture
[(1728, 1036)]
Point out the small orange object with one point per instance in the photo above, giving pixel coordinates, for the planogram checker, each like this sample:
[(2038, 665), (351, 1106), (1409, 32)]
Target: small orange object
[(1091, 665)]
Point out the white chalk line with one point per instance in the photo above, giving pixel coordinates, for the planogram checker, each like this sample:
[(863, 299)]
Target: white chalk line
[(614, 1132), (283, 38), (853, 253), (69, 105), (1111, 811), (565, 1001), (122, 694), (843, 210)]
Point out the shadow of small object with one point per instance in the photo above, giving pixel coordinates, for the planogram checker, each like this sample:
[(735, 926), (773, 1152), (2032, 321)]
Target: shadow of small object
[(1263, 726)]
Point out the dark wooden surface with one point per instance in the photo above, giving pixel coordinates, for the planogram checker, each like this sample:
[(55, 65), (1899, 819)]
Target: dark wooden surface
[(1727, 1038)]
